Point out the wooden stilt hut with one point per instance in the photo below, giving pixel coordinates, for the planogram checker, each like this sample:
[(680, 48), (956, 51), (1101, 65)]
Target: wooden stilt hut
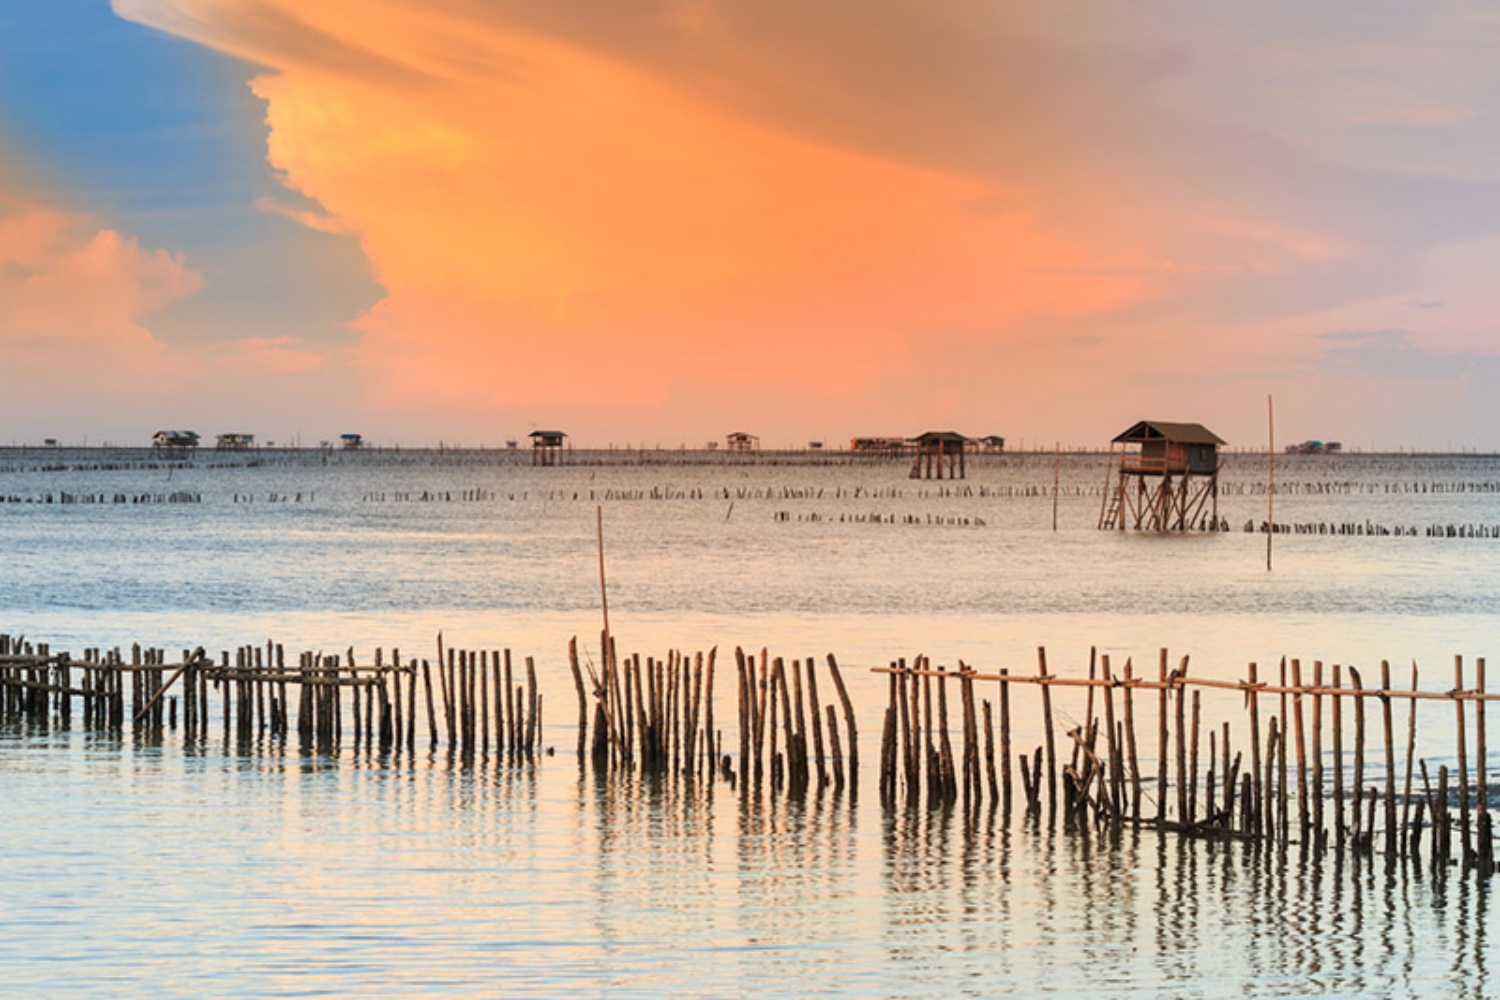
[(1165, 478), (546, 447), (937, 451)]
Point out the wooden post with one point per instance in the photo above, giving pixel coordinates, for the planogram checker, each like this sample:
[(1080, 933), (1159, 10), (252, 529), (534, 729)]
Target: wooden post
[(1041, 653), (1252, 697), (1270, 478), (1005, 772), (850, 730), (1356, 799), (1162, 746), (1192, 797), (1339, 827), (1130, 745), (1486, 845), (1304, 816), (1317, 754), (1390, 759), (1463, 763), (1411, 751)]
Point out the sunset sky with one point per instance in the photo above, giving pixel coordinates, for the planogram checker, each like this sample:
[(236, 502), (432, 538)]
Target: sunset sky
[(659, 221)]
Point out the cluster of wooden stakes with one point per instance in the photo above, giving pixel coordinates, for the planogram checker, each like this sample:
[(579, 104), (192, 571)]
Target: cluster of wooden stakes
[(1293, 771), (1304, 781)]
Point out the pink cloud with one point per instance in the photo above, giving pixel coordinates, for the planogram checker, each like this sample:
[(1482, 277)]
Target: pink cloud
[(73, 300)]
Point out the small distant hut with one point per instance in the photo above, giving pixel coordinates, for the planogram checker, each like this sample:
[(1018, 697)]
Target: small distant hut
[(940, 455), (234, 442), (1314, 447), (992, 444), (351, 442), (1166, 478), (740, 441), (547, 447), (879, 448), (174, 444)]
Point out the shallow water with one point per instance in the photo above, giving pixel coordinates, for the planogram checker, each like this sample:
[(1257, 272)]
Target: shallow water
[(225, 869)]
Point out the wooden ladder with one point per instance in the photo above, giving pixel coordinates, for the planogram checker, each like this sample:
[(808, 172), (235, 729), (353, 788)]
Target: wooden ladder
[(1109, 505)]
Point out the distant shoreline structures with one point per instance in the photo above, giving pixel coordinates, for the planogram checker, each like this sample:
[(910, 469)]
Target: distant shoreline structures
[(103, 455)]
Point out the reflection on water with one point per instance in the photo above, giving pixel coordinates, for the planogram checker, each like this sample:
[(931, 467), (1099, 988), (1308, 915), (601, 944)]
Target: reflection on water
[(203, 869), (262, 866)]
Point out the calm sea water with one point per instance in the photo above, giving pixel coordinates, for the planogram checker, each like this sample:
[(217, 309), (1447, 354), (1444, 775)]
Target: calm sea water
[(214, 869)]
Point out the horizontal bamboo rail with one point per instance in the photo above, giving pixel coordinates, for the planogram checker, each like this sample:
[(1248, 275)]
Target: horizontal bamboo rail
[(1247, 687)]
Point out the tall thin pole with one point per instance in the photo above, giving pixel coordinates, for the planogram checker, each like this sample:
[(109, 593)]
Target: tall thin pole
[(603, 596), (1056, 468), (1270, 479)]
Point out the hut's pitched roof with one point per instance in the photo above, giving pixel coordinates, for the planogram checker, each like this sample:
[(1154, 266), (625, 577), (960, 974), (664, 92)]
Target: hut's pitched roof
[(1163, 430), (946, 437)]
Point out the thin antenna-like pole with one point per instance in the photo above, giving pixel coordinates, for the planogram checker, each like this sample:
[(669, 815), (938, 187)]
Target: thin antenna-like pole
[(603, 595), (1270, 478), (1056, 467)]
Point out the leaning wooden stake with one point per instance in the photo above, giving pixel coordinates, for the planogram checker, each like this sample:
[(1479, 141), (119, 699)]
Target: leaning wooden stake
[(850, 730)]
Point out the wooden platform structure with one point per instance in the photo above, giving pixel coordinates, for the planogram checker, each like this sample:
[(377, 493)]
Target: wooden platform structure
[(1166, 478), (235, 442), (940, 455), (174, 444), (547, 447)]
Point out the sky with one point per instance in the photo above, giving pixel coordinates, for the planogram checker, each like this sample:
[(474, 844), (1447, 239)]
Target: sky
[(656, 222)]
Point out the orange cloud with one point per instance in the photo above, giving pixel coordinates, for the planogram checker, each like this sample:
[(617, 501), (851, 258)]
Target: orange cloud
[(71, 303), (556, 227), (648, 212)]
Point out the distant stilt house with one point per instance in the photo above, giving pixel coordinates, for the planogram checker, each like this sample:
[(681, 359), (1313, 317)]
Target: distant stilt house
[(235, 442), (740, 441), (546, 447), (1314, 447), (174, 444), (992, 444), (879, 447), (940, 455), (1166, 478), (351, 441)]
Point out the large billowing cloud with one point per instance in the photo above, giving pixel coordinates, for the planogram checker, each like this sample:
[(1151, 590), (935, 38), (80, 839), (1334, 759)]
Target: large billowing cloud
[(840, 215)]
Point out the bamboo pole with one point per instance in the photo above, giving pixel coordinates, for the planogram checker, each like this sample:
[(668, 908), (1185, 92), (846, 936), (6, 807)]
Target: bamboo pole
[(1319, 834), (1051, 744), (1130, 743), (1304, 815), (1270, 478), (1411, 750), (1192, 796), (1463, 767), (1116, 776), (1255, 816), (850, 729), (1340, 828), (1358, 791), (1390, 760), (989, 754), (1005, 750)]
